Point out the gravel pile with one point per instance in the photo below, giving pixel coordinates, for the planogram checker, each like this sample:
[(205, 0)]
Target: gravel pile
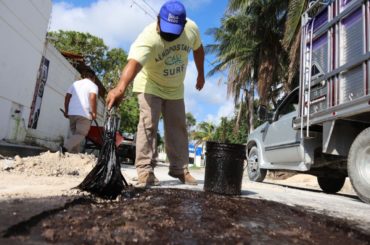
[(49, 164)]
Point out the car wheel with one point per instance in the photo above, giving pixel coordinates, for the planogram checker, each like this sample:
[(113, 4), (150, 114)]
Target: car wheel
[(255, 173), (359, 165), (330, 184)]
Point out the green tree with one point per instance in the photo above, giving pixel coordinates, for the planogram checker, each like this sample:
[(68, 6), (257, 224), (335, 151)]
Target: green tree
[(292, 33), (292, 37), (115, 59), (190, 123), (224, 132), (129, 115), (234, 53), (91, 47), (263, 26), (248, 46), (205, 132)]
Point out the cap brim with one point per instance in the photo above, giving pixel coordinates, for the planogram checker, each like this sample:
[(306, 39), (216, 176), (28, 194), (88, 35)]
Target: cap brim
[(171, 27)]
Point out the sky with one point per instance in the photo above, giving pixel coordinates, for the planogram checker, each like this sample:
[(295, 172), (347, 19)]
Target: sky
[(118, 22)]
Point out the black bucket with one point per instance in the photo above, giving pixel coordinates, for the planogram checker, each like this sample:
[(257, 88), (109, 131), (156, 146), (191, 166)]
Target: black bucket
[(224, 168)]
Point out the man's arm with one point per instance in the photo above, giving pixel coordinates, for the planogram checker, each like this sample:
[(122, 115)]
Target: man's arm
[(67, 99), (92, 99), (128, 74), (199, 63)]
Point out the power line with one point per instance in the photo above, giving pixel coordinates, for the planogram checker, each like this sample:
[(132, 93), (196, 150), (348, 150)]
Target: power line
[(143, 9), (147, 4)]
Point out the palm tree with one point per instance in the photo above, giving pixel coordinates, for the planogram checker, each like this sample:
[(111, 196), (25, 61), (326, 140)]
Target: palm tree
[(292, 32), (266, 26), (190, 123), (235, 53), (292, 36), (205, 132), (248, 46)]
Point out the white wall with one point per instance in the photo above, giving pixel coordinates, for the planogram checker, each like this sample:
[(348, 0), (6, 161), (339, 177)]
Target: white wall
[(23, 27), (52, 126)]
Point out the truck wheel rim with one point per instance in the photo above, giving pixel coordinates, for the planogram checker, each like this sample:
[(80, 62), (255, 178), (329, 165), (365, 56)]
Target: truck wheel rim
[(253, 163), (363, 164)]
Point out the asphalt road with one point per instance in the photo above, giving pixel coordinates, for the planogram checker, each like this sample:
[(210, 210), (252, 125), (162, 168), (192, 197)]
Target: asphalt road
[(347, 207)]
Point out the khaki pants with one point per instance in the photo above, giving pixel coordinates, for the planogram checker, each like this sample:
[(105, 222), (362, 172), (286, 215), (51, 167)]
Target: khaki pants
[(176, 137), (79, 127)]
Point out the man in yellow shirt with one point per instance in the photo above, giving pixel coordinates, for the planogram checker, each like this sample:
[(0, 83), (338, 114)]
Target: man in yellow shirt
[(157, 64)]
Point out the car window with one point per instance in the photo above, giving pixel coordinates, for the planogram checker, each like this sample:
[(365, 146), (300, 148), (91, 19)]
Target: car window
[(289, 105)]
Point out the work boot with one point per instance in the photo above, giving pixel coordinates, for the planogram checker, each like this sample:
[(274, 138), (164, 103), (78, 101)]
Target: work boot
[(185, 178), (146, 180)]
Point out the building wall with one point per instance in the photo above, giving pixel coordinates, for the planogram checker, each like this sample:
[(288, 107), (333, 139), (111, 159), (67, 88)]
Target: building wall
[(23, 27), (52, 126)]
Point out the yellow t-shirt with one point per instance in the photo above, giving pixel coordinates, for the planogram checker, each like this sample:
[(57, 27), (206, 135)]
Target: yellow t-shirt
[(164, 63)]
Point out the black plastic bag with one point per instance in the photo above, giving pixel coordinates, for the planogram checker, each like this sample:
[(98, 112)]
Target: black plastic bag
[(106, 180)]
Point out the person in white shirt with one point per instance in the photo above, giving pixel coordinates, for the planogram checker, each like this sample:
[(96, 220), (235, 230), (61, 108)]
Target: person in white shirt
[(80, 108)]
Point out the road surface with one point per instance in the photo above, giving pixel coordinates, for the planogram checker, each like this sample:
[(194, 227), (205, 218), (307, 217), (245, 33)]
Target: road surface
[(343, 206)]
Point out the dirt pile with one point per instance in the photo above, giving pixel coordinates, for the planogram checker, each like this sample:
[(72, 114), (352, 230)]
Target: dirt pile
[(49, 164)]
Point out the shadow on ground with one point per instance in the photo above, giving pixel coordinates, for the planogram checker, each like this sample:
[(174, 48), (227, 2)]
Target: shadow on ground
[(313, 190)]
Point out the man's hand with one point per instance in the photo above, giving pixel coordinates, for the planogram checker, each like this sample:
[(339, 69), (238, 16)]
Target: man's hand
[(200, 82), (114, 97), (65, 112), (93, 115)]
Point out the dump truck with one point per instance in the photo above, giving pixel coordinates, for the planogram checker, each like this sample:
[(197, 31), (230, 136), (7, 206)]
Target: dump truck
[(323, 126)]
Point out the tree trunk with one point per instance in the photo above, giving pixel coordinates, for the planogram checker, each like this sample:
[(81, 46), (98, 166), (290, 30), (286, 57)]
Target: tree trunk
[(237, 123), (251, 107)]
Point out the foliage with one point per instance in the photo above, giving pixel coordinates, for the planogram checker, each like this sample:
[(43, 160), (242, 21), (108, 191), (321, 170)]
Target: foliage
[(113, 63), (91, 47), (106, 63), (248, 46), (225, 133), (258, 45), (292, 11), (205, 132), (129, 115), (292, 37), (190, 123)]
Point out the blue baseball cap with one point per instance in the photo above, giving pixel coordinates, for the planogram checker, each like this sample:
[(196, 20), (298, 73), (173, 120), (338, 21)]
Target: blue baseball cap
[(173, 17)]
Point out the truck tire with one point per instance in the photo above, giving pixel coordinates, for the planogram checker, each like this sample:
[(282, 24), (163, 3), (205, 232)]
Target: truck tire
[(358, 165), (255, 173), (331, 185)]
